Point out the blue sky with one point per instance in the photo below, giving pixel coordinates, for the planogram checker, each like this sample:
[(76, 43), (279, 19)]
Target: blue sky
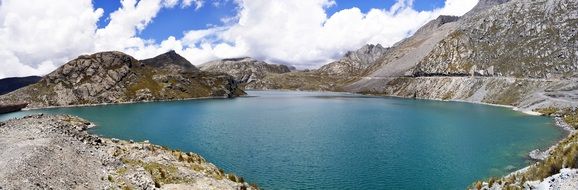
[(174, 21)]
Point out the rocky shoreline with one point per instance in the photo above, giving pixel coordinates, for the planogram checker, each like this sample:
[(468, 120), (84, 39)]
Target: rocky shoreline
[(131, 102), (81, 125), (56, 152), (554, 167), (542, 155)]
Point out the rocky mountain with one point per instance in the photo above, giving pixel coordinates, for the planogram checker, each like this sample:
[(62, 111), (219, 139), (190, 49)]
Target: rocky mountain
[(245, 69), (13, 83), (355, 62), (303, 80), (520, 53), (403, 56), (171, 61), (368, 69), (114, 77), (520, 39), (483, 5)]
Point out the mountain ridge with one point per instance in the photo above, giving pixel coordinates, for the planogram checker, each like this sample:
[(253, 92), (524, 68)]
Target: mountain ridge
[(14, 83), (354, 62), (244, 69), (115, 77)]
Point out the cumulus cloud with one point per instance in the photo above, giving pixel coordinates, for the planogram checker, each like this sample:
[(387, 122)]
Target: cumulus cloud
[(300, 33), (198, 3), (36, 36)]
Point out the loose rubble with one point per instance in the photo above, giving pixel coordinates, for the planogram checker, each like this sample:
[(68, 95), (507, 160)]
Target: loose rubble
[(56, 152)]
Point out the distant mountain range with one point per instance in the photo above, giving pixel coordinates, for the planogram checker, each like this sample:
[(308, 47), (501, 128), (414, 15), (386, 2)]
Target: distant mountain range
[(519, 53), (245, 70), (14, 83)]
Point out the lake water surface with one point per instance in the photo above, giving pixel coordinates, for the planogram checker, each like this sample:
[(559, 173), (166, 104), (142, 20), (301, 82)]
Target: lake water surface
[(315, 140)]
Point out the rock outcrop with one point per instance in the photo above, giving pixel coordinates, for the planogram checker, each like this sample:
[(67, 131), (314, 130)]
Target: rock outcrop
[(354, 62), (434, 25), (401, 58), (7, 108), (56, 152), (531, 39), (483, 5), (302, 80), (368, 68), (520, 53), (114, 77), (245, 70)]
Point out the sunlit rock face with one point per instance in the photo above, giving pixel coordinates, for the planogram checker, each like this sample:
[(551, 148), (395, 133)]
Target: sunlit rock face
[(245, 69), (354, 62), (114, 77)]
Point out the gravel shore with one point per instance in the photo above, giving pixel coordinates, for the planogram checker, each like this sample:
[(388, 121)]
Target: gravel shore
[(56, 152)]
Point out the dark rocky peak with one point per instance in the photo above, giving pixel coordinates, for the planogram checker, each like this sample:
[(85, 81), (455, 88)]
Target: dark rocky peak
[(368, 49), (292, 68), (367, 54), (353, 62), (436, 23), (170, 59)]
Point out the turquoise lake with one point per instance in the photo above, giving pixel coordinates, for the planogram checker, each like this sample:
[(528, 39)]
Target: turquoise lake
[(318, 140)]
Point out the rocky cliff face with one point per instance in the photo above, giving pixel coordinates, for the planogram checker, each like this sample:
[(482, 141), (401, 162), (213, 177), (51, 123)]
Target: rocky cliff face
[(355, 62), (401, 58), (114, 77), (521, 53), (245, 70), (434, 25), (533, 39), (302, 80)]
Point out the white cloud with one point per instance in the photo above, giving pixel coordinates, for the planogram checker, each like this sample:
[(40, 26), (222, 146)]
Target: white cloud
[(124, 24), (36, 36), (12, 66), (219, 3), (300, 33), (36, 33), (457, 7), (198, 3)]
